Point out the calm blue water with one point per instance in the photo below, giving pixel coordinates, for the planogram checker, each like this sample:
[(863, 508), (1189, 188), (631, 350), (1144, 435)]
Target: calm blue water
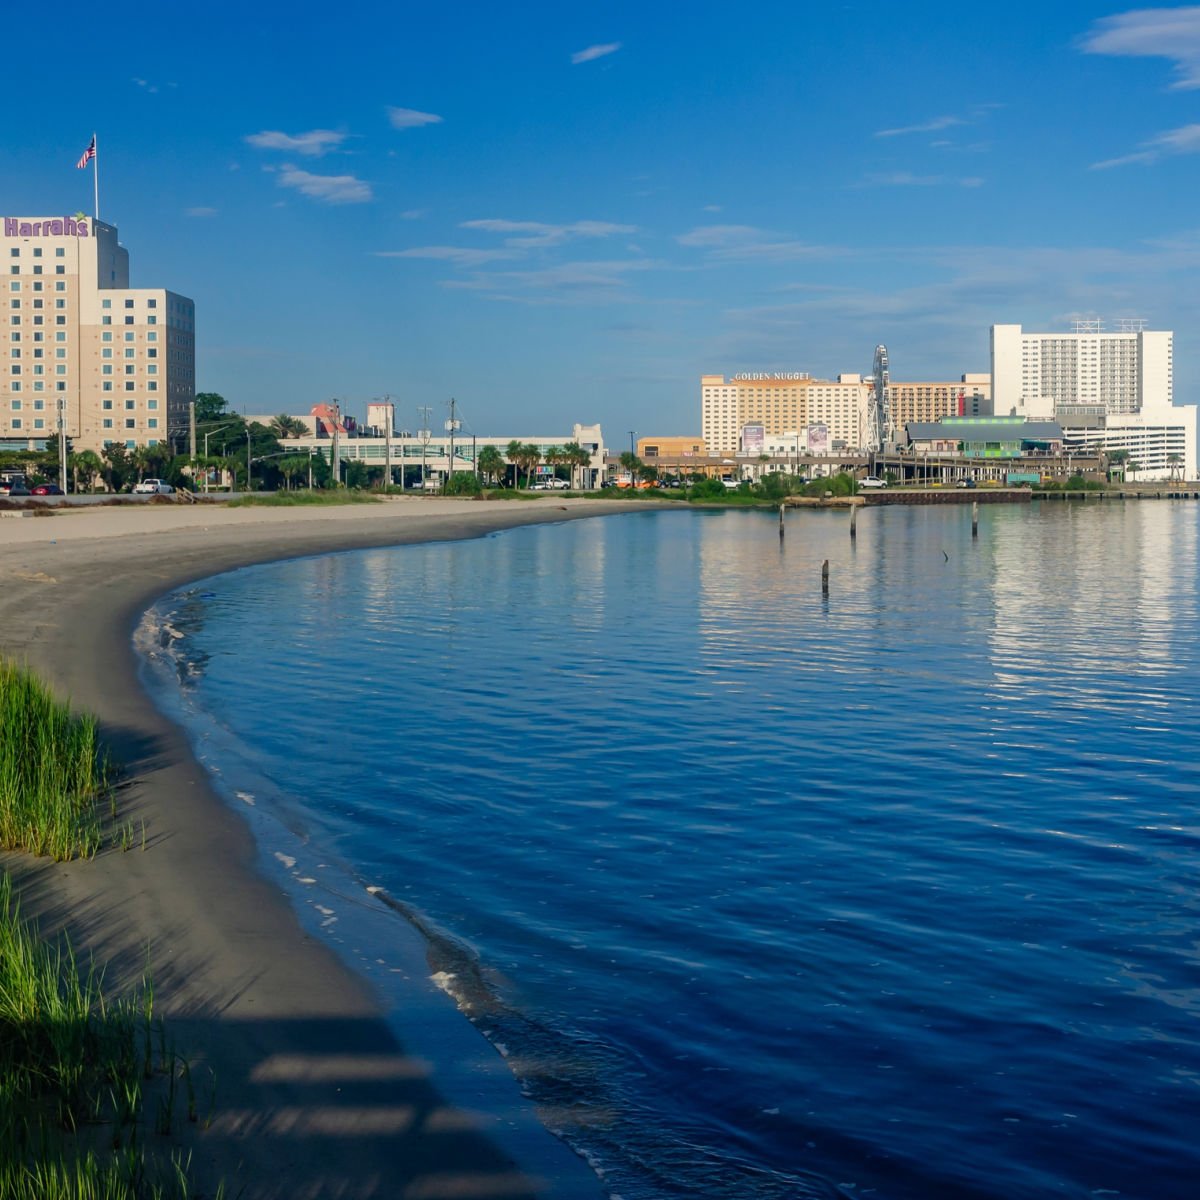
[(889, 893)]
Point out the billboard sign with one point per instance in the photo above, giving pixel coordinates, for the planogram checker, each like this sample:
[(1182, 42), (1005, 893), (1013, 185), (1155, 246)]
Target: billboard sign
[(818, 439), (754, 439)]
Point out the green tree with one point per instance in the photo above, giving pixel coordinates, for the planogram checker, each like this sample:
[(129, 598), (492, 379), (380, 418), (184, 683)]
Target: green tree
[(1175, 462), (118, 468), (210, 407), (577, 458), (85, 464), (357, 475), (631, 463), (526, 458), (491, 463)]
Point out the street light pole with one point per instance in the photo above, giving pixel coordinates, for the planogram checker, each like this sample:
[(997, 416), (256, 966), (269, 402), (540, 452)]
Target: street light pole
[(248, 488)]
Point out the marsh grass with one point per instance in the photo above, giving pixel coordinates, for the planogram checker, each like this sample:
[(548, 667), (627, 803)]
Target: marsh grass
[(75, 1073), (303, 499), (53, 772)]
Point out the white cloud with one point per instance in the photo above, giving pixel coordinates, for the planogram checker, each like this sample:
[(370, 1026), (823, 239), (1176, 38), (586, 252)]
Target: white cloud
[(1171, 33), (413, 214), (329, 189), (410, 118), (539, 233), (601, 50), (1185, 140), (200, 211), (147, 86), (460, 256), (745, 242), (314, 143), (925, 127)]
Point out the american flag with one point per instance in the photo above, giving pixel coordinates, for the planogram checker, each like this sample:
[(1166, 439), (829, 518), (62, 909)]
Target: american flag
[(88, 154)]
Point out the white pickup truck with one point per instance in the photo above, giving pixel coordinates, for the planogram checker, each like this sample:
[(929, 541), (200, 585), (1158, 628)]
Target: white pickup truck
[(153, 487)]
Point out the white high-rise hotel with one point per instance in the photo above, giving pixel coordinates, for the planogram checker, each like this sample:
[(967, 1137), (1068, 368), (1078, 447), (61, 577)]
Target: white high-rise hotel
[(119, 363), (1108, 390)]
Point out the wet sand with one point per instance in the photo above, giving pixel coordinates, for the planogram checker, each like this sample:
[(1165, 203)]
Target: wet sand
[(310, 1091)]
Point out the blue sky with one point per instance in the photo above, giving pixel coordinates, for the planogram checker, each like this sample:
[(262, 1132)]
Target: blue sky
[(570, 212)]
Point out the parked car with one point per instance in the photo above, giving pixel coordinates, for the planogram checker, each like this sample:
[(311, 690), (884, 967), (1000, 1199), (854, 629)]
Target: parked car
[(872, 481), (47, 489), (965, 483), (153, 487), (550, 484), (732, 484), (8, 488)]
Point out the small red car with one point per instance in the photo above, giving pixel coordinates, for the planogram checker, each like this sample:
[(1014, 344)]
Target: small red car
[(47, 489)]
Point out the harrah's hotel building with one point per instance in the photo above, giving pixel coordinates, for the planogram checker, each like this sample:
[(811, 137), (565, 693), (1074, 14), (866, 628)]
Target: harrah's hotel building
[(119, 362)]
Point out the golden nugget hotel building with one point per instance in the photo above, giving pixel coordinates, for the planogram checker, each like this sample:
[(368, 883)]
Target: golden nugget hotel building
[(118, 362)]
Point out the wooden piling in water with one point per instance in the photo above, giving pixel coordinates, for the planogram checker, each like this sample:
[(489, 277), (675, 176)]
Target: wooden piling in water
[(853, 521), (781, 508), (974, 518), (825, 578)]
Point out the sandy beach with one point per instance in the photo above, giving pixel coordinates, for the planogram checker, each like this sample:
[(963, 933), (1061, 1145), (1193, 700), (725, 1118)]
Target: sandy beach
[(314, 1095)]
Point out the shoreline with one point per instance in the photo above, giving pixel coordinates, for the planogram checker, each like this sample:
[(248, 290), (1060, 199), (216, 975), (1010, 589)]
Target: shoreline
[(312, 1092)]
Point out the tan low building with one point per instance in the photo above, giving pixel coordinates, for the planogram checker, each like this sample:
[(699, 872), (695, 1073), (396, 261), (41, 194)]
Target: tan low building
[(117, 363)]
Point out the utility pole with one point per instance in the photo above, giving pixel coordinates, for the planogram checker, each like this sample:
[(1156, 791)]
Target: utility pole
[(423, 432), (249, 486), (192, 430), (387, 433), (337, 459), (452, 424), (62, 443)]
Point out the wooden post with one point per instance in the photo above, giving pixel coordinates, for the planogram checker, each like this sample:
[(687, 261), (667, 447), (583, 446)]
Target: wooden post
[(781, 522), (974, 518), (825, 578), (853, 521)]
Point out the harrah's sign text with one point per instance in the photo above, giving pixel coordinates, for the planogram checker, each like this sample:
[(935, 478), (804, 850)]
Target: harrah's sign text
[(50, 227)]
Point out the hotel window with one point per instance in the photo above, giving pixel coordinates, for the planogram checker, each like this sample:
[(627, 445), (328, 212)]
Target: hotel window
[(152, 336), (16, 370), (107, 370), (16, 422), (15, 252), (37, 252), (60, 353), (37, 270), (152, 386), (130, 423), (39, 423), (106, 386), (151, 320), (106, 336), (14, 320), (106, 320), (59, 286), (129, 353), (60, 370), (61, 386), (16, 386), (16, 354), (128, 303), (151, 303), (37, 304), (153, 422), (151, 353), (129, 385), (38, 405), (14, 270), (59, 337), (106, 405), (57, 304), (129, 405), (60, 252), (37, 285), (151, 403), (152, 369), (106, 352), (128, 320), (131, 445), (129, 369), (15, 286), (106, 423), (60, 270), (129, 337)]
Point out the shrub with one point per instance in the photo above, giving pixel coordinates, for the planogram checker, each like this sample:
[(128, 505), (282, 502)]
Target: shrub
[(463, 483)]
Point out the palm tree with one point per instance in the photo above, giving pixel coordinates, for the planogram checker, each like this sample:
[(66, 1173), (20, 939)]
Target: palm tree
[(284, 426), (1176, 464), (86, 463), (290, 467), (528, 458), (491, 463), (1133, 467), (577, 458), (1119, 459), (513, 451)]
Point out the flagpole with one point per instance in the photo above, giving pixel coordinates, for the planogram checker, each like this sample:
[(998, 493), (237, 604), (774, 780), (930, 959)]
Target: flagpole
[(96, 175)]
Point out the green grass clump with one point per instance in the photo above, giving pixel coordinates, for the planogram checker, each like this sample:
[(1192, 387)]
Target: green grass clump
[(74, 1069), (302, 499), (52, 771)]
